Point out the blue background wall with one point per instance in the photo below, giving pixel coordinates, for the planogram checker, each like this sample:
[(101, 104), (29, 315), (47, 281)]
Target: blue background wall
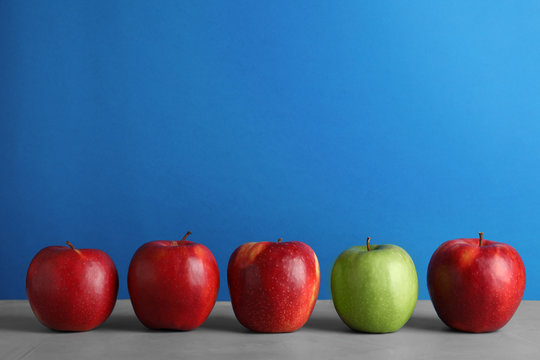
[(324, 122)]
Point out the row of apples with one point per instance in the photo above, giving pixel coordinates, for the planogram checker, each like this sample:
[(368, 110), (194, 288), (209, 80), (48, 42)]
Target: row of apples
[(475, 285)]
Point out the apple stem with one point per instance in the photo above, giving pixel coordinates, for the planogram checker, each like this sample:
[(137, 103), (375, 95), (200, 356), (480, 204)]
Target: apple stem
[(481, 234), (279, 240), (367, 243), (184, 238), (70, 245)]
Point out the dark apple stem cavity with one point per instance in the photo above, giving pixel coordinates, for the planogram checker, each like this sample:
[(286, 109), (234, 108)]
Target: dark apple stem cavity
[(70, 245), (367, 243), (279, 240), (481, 234)]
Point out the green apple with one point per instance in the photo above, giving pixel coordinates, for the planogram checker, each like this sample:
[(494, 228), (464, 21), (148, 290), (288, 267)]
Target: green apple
[(374, 288)]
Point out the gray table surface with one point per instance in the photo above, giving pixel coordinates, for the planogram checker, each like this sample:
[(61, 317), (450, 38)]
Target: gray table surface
[(324, 336)]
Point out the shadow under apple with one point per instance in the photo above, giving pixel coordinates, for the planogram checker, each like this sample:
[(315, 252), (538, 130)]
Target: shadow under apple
[(429, 323), (23, 323), (327, 323)]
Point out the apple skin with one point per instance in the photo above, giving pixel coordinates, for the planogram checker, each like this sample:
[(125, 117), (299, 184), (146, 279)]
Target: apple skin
[(173, 284), (71, 289), (374, 291), (475, 288), (273, 285)]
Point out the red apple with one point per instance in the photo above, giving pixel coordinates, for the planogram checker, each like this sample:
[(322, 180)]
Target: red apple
[(273, 285), (173, 284), (476, 285), (71, 289)]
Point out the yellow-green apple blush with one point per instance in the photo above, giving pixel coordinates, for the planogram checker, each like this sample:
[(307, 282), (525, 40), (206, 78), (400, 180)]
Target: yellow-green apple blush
[(374, 287)]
